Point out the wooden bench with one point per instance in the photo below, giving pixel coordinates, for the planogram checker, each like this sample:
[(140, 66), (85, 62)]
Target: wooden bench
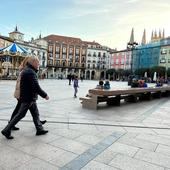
[(113, 97)]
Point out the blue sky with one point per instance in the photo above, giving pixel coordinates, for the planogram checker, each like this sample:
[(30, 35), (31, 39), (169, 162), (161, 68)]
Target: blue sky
[(108, 22)]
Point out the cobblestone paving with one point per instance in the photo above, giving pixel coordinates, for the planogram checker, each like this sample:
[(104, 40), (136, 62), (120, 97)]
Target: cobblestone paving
[(133, 136)]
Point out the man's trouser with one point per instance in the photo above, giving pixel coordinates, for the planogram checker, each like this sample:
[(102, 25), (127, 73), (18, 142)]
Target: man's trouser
[(32, 106)]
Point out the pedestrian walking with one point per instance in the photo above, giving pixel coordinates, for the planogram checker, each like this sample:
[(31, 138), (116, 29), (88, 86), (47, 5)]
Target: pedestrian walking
[(17, 93), (29, 91), (75, 85), (69, 79)]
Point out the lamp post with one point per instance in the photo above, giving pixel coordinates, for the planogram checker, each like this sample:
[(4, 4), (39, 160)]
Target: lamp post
[(131, 46), (166, 70)]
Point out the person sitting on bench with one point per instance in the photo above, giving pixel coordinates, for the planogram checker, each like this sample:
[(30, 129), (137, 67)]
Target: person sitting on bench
[(100, 85)]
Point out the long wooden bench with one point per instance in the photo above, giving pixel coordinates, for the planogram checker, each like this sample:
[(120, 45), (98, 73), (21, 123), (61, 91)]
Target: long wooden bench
[(114, 96)]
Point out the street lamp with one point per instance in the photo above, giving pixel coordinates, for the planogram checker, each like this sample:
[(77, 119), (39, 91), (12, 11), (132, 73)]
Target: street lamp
[(166, 70), (131, 46)]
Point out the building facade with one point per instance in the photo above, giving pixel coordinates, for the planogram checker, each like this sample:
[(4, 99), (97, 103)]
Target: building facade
[(146, 56), (66, 56), (9, 62), (97, 61), (121, 60)]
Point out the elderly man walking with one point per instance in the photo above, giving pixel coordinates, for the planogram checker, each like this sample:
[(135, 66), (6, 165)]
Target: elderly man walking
[(29, 91)]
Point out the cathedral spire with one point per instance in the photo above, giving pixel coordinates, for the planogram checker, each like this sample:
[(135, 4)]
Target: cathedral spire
[(144, 37), (132, 37), (131, 44), (152, 36), (155, 34), (163, 34), (160, 36)]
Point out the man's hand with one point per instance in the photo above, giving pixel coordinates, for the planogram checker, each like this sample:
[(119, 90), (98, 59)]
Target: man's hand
[(47, 97)]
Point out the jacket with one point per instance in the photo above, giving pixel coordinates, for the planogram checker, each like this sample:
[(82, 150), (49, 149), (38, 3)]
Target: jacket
[(29, 86), (75, 84)]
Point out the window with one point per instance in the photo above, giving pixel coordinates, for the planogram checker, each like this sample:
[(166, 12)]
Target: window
[(89, 54), (50, 62), (71, 50), (50, 55), (50, 48), (57, 49), (122, 61), (64, 56), (83, 52), (64, 49), (57, 56), (57, 63), (77, 51), (77, 58), (163, 51), (99, 54), (162, 61), (117, 61)]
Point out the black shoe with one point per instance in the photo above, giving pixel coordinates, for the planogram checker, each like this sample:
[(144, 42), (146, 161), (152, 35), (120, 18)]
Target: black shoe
[(43, 122), (15, 128), (7, 135), (41, 132)]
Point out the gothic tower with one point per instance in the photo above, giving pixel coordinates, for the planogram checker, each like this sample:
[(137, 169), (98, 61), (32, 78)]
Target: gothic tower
[(144, 37), (155, 37)]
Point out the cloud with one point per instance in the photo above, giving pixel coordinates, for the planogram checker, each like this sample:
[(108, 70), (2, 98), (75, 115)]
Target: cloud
[(132, 1), (84, 2)]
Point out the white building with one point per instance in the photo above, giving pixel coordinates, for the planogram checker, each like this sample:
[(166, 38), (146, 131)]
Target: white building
[(97, 61)]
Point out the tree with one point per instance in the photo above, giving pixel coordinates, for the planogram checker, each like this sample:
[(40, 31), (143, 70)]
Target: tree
[(159, 70), (168, 72), (140, 72), (126, 73), (150, 71), (110, 73)]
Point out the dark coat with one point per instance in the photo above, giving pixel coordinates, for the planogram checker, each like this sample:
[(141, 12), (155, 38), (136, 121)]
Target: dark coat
[(29, 86)]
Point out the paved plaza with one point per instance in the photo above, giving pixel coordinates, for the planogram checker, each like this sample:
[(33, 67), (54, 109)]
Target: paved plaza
[(133, 136)]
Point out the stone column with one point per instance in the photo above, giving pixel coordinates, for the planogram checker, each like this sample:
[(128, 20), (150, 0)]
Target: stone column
[(66, 72), (73, 71), (104, 74), (85, 75), (79, 73), (90, 74), (53, 72)]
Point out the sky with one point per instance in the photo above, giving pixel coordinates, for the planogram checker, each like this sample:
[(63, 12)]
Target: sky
[(108, 22)]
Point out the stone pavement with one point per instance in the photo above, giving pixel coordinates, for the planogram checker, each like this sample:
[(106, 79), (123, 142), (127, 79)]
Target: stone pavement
[(134, 136)]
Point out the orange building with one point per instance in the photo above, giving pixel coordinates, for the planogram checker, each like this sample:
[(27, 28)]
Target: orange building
[(65, 55)]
